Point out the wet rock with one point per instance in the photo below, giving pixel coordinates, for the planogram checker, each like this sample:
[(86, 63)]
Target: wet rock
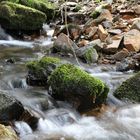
[(31, 118), (136, 25), (127, 64), (121, 55), (39, 71), (129, 91), (30, 19), (88, 54), (10, 108), (102, 33), (3, 35), (7, 133), (64, 44), (132, 41), (74, 85)]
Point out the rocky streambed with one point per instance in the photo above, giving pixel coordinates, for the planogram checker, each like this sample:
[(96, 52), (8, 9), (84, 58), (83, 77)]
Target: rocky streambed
[(78, 81)]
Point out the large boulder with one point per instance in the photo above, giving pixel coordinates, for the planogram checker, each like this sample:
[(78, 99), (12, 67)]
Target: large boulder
[(42, 5), (74, 85), (129, 90), (18, 17), (10, 108), (39, 71)]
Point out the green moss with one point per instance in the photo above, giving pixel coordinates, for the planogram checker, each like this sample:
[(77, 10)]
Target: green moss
[(19, 17), (77, 8), (42, 5), (89, 55), (70, 79), (42, 68), (129, 90), (95, 14)]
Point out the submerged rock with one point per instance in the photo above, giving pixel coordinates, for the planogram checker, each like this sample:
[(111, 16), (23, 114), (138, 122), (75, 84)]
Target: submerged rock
[(129, 90), (10, 108), (74, 85), (7, 133), (38, 71), (18, 17)]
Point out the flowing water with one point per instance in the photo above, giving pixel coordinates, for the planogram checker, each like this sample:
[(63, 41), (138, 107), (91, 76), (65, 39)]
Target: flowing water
[(59, 120)]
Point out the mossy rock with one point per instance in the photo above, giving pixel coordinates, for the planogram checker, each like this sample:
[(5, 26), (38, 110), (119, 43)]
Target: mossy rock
[(42, 5), (129, 91), (18, 17), (95, 14), (38, 71), (70, 83)]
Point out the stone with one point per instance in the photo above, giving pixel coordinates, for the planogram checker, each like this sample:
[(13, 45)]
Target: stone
[(72, 84), (121, 55), (102, 33), (137, 56), (96, 44), (88, 54), (18, 17), (73, 31), (115, 31), (137, 9), (129, 91), (7, 133), (105, 15), (92, 32), (132, 41), (114, 46), (10, 108), (64, 44), (127, 64), (136, 25), (39, 71)]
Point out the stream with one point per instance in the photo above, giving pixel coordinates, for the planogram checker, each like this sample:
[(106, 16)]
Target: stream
[(120, 121)]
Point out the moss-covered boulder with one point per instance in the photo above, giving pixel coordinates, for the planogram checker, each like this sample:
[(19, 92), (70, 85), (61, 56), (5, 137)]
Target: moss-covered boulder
[(42, 5), (129, 91), (18, 17), (74, 85), (38, 71)]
